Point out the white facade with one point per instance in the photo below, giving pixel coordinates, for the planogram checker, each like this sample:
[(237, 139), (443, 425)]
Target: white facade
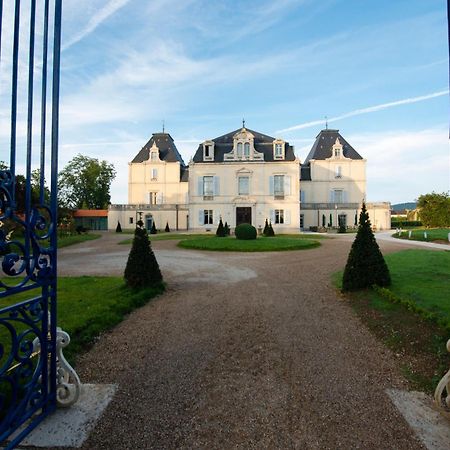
[(246, 176)]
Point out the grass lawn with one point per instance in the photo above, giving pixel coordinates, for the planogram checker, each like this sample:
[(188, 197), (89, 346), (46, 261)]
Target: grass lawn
[(398, 315), (261, 244), (433, 234), (88, 306), (76, 239)]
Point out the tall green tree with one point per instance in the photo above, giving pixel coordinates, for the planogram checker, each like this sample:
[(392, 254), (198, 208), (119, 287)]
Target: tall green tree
[(434, 209), (365, 264), (85, 183)]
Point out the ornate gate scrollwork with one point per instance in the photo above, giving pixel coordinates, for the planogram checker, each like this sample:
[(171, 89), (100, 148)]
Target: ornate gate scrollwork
[(28, 215)]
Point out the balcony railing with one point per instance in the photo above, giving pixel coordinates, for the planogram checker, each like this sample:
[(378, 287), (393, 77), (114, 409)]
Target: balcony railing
[(304, 205), (148, 207)]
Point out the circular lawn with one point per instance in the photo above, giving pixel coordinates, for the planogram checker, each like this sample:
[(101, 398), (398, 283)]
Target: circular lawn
[(261, 244)]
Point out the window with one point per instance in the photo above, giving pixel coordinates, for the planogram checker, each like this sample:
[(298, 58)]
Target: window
[(130, 220), (279, 216), (154, 174), (342, 220), (207, 216), (207, 151), (338, 172), (338, 196), (247, 149), (243, 186), (337, 152), (278, 150), (153, 156), (208, 186), (278, 185), (239, 149), (152, 196)]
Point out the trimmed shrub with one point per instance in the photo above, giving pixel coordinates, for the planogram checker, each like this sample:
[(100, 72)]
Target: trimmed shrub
[(266, 228), (342, 229), (118, 228), (167, 229), (245, 231), (142, 269), (226, 229), (365, 265), (323, 221), (220, 232), (153, 230), (270, 231)]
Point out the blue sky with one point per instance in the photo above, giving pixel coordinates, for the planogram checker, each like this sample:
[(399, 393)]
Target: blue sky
[(377, 69)]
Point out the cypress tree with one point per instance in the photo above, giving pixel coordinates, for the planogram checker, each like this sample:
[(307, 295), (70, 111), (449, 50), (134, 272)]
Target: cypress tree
[(118, 228), (365, 265), (331, 221), (266, 229), (153, 230), (142, 269), (167, 229), (220, 232), (323, 220)]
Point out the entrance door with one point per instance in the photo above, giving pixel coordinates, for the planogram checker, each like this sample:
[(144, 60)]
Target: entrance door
[(243, 215)]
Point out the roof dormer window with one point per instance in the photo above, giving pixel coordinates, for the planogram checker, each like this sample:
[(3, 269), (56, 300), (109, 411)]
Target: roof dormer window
[(337, 150), (154, 153), (278, 149), (208, 151), (247, 149)]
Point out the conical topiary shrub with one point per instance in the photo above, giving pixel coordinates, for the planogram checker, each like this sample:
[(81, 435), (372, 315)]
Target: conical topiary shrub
[(220, 232), (167, 229), (153, 230), (270, 231), (323, 220), (226, 228), (118, 228), (266, 228), (365, 265), (142, 269)]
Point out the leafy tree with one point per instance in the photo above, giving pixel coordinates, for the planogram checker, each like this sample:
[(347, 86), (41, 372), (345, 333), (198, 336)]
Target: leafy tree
[(118, 228), (365, 264), (153, 230), (167, 229), (85, 183), (434, 209), (220, 232), (142, 269)]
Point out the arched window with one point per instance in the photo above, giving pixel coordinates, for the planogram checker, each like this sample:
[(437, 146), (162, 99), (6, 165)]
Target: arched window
[(246, 149), (239, 149)]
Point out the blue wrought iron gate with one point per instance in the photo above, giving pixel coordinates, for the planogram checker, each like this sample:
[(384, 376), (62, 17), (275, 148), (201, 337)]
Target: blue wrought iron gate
[(30, 35)]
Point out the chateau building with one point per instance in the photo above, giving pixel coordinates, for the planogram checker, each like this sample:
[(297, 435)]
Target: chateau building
[(247, 177)]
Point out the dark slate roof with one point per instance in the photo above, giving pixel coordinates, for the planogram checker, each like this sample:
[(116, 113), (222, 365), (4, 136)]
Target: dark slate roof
[(262, 142), (305, 173), (184, 177), (323, 145), (167, 149)]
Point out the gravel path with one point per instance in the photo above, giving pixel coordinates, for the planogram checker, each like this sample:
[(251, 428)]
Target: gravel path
[(266, 355)]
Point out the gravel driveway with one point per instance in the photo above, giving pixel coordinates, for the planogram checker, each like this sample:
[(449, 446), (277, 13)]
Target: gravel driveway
[(242, 351)]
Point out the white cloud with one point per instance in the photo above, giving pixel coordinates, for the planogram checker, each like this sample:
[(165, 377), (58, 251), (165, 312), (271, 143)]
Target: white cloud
[(97, 18), (401, 165), (367, 110)]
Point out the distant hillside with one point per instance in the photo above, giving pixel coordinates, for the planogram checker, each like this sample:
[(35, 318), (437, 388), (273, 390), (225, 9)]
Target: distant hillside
[(402, 206)]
